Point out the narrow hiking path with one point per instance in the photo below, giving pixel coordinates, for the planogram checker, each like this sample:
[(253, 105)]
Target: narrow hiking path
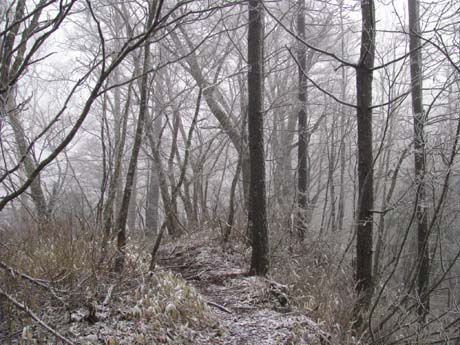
[(250, 310), (198, 295)]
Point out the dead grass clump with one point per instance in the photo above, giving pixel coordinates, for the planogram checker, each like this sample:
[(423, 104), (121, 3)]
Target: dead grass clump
[(166, 305), (319, 287), (60, 276), (51, 272)]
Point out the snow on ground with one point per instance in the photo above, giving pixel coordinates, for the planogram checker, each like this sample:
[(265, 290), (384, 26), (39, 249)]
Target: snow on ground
[(198, 294), (250, 310)]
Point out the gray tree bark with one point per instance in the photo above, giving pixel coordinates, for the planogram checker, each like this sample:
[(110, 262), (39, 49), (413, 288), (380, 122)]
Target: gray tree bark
[(11, 58), (153, 191), (120, 138)]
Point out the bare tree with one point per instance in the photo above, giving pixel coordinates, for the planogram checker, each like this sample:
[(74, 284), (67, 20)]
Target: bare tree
[(153, 16), (16, 55)]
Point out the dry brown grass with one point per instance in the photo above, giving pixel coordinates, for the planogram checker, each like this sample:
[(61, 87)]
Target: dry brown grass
[(69, 283), (318, 285)]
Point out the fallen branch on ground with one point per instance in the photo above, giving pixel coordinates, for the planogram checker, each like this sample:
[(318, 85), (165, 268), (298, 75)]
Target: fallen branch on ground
[(218, 306), (42, 323), (44, 284)]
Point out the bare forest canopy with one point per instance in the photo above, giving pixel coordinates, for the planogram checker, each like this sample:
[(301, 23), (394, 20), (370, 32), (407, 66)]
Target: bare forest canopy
[(319, 137)]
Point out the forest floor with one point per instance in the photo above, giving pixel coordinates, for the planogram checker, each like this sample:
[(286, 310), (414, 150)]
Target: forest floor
[(199, 294), (249, 310)]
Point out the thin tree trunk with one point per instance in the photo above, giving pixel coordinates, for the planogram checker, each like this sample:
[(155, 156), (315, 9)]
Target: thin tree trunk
[(341, 205), (231, 212), (152, 202), (132, 210), (10, 60), (172, 154), (108, 212), (182, 177), (36, 191), (154, 130), (257, 216), (423, 260), (331, 170), (123, 215), (364, 76), (105, 163), (302, 170), (212, 94), (386, 198), (172, 224)]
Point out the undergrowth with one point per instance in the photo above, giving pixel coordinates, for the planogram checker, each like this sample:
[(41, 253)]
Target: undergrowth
[(319, 284), (62, 277)]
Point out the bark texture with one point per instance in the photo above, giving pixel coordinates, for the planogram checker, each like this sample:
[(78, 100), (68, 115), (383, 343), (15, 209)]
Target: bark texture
[(364, 76), (302, 170), (257, 215)]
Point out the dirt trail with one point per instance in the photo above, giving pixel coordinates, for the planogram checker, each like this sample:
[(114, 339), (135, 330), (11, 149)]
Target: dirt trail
[(250, 310)]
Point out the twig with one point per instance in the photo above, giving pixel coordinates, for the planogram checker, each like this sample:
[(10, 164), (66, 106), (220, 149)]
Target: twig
[(109, 295), (156, 246), (39, 282), (218, 306), (172, 251), (42, 323), (44, 284)]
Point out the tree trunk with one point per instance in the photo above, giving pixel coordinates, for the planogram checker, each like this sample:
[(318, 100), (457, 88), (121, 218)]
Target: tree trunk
[(386, 199), (153, 189), (423, 260), (364, 76), (132, 209), (343, 122), (302, 170), (257, 217), (212, 94), (171, 222), (36, 191), (108, 213), (11, 58), (123, 215), (154, 129), (332, 164), (231, 206)]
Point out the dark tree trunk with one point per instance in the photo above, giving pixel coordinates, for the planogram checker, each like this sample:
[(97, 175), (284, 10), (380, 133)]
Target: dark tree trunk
[(423, 261), (123, 215), (302, 170), (364, 75), (257, 215)]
